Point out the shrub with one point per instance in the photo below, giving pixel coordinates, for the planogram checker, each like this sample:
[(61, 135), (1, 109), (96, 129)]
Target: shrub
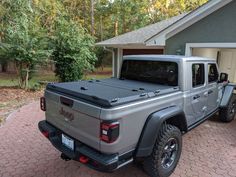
[(73, 50)]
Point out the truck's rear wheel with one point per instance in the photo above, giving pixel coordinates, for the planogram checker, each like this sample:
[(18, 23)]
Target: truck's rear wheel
[(227, 114), (166, 152)]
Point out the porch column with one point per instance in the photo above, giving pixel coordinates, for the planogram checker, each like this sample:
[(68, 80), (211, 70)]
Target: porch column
[(119, 61)]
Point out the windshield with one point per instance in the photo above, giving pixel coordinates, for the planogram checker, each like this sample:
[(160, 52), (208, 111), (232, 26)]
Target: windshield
[(159, 72)]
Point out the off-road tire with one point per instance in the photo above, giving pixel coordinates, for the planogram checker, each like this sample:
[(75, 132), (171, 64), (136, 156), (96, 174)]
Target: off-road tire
[(153, 164), (227, 114)]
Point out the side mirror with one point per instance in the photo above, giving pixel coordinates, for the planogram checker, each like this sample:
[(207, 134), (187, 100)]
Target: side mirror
[(224, 77)]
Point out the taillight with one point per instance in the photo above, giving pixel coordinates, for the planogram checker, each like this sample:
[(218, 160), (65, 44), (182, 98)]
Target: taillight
[(110, 131), (46, 134), (43, 103)]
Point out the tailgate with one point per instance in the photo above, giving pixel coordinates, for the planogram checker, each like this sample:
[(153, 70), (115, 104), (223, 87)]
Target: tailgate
[(77, 119)]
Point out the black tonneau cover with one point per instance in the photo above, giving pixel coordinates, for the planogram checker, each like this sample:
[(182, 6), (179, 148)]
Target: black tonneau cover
[(110, 92)]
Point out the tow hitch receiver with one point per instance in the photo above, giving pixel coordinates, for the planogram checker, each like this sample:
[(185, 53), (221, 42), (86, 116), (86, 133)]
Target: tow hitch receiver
[(65, 157)]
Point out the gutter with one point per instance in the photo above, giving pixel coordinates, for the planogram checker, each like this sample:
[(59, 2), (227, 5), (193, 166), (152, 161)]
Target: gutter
[(113, 59)]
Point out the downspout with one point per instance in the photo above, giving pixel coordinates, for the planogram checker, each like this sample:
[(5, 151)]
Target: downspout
[(113, 59)]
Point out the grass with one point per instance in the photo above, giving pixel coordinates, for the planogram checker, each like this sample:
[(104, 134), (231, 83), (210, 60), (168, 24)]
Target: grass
[(8, 80), (104, 69), (11, 80), (95, 76), (99, 73)]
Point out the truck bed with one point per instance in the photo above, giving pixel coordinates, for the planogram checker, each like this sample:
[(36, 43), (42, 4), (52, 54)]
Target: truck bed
[(110, 92)]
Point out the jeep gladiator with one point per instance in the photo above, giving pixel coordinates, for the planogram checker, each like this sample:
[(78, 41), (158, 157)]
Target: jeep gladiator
[(139, 116)]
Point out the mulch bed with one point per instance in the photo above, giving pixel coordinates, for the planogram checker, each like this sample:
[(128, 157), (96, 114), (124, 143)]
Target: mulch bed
[(13, 98)]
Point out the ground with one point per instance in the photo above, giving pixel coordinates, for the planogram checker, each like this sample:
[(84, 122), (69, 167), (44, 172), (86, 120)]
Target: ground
[(208, 150)]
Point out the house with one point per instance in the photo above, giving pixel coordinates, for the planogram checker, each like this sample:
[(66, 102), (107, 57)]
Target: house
[(208, 31)]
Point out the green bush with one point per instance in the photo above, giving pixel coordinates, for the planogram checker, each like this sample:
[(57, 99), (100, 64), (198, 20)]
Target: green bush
[(73, 50), (35, 87)]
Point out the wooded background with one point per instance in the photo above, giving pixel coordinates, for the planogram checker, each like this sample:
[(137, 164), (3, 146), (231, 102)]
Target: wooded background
[(65, 31), (108, 18), (104, 18)]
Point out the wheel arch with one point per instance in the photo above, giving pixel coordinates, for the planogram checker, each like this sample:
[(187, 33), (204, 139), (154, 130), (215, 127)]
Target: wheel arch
[(227, 95), (172, 115)]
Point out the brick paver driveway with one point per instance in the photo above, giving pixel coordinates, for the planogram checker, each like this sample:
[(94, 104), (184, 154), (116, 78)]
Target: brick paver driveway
[(208, 150)]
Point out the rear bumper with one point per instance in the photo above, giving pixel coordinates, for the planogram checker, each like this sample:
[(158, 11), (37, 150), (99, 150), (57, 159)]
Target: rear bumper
[(96, 160)]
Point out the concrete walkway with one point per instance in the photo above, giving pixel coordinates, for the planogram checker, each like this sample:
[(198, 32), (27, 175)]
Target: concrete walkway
[(208, 150)]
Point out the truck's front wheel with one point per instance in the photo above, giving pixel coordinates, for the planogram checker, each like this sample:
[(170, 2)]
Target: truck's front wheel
[(166, 152)]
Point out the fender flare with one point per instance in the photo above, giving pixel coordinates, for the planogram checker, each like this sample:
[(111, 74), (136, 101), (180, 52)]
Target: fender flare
[(152, 127), (227, 95)]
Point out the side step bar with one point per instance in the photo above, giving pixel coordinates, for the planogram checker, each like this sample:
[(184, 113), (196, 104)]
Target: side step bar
[(125, 163)]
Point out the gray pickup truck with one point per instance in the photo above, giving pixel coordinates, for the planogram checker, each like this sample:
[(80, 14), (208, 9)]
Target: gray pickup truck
[(139, 116)]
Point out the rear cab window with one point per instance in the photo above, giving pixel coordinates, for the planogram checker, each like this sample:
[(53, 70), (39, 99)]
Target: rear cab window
[(213, 75), (158, 72), (198, 75)]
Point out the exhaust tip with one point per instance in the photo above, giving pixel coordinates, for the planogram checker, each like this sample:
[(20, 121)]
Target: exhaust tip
[(65, 157)]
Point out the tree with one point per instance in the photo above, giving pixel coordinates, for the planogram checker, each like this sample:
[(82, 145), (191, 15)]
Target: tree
[(92, 17), (23, 40), (73, 50), (162, 9)]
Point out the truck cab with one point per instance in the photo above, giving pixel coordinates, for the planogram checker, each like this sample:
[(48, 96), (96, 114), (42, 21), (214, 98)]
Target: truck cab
[(202, 89)]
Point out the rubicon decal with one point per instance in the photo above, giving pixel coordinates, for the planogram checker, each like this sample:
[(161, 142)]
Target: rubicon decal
[(68, 115)]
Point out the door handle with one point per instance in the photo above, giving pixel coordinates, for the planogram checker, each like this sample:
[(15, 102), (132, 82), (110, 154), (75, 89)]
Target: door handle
[(210, 92), (196, 97)]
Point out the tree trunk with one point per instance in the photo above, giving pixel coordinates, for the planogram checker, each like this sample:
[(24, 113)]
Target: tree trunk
[(92, 18), (84, 10), (123, 17), (23, 74), (3, 67), (19, 72), (101, 24), (27, 78), (124, 24), (17, 65), (101, 29), (116, 25)]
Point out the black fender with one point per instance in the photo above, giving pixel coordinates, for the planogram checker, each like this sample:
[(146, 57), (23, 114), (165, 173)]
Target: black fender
[(152, 127), (227, 94)]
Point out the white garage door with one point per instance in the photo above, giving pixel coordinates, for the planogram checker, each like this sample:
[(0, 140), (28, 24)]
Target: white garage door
[(226, 59), (227, 63)]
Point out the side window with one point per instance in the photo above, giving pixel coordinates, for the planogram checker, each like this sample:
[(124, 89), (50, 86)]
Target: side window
[(212, 73), (198, 75)]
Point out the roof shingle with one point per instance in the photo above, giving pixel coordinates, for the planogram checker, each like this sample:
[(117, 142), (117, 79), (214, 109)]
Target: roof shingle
[(141, 35)]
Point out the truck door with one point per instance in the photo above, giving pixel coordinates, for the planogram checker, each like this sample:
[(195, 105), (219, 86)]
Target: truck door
[(199, 91), (213, 88)]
